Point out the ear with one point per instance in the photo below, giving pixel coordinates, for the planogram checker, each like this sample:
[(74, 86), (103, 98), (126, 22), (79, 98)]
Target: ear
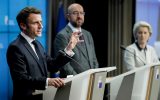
[(68, 16), (23, 26), (135, 36)]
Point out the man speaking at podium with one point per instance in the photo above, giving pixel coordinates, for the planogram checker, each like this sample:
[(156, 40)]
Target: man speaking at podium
[(139, 53), (28, 60)]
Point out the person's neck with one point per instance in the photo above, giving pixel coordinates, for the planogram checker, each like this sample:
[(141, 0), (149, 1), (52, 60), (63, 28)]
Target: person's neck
[(29, 35), (76, 27), (142, 45), (73, 27)]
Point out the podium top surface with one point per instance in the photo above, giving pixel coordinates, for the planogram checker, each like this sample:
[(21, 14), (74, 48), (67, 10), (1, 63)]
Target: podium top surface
[(132, 71), (90, 71)]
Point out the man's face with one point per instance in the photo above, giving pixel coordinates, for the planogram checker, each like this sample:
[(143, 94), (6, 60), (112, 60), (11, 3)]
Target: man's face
[(76, 16), (33, 28)]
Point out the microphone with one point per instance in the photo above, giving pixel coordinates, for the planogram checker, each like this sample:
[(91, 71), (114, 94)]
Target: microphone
[(79, 69), (123, 48)]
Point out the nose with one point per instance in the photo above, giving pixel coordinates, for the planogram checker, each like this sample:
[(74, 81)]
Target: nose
[(40, 25), (143, 34)]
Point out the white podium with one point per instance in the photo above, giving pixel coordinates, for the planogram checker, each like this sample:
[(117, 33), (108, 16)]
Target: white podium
[(142, 83), (88, 85)]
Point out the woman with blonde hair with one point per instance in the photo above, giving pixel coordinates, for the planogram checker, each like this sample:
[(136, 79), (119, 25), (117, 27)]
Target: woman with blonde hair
[(140, 53)]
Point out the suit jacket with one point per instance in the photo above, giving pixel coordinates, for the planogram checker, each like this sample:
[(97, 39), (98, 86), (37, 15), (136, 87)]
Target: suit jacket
[(84, 52), (27, 72), (134, 58)]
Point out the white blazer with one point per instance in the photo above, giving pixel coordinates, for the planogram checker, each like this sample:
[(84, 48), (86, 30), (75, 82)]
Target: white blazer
[(133, 57)]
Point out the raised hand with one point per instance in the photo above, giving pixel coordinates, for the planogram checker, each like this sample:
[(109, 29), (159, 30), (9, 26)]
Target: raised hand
[(74, 40)]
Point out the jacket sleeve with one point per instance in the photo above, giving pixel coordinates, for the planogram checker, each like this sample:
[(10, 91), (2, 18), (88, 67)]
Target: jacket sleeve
[(129, 60), (19, 70), (60, 43)]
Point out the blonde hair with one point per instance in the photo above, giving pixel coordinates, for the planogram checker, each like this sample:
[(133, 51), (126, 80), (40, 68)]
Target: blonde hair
[(139, 24)]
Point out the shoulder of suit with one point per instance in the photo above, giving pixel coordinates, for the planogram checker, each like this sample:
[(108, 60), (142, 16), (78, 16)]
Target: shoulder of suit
[(84, 30), (150, 47), (132, 47), (18, 41), (64, 31)]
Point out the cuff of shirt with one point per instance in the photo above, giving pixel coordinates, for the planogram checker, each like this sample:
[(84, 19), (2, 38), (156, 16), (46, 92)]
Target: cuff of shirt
[(70, 53), (47, 82)]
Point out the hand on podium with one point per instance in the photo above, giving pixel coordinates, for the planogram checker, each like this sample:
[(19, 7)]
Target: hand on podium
[(56, 82)]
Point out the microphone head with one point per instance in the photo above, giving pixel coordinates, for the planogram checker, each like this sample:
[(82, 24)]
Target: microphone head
[(133, 53), (122, 47)]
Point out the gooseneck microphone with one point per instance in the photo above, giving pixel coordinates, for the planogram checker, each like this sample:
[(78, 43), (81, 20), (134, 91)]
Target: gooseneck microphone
[(77, 69), (123, 48)]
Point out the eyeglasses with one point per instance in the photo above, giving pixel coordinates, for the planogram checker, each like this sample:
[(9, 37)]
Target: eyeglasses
[(76, 13)]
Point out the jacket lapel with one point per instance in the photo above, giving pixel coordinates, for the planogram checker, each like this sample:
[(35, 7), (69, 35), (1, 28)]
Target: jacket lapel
[(82, 50), (30, 50), (78, 46), (28, 47), (87, 46), (43, 60), (141, 59)]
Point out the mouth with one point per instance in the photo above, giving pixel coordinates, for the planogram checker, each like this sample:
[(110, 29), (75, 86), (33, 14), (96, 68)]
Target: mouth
[(79, 21), (39, 31)]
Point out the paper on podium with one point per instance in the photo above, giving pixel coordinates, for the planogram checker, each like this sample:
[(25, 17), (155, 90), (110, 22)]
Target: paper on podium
[(90, 71)]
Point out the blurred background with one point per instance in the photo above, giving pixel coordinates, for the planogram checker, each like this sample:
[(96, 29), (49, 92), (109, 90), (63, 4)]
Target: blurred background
[(109, 21)]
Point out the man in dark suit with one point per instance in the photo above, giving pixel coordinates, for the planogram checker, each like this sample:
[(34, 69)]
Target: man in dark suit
[(28, 61), (84, 51)]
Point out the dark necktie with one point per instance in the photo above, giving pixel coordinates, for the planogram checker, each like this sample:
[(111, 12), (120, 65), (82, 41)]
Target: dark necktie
[(82, 38), (83, 44), (40, 58), (37, 49)]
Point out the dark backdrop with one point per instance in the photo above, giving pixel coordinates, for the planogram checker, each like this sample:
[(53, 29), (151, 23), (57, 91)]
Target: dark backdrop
[(96, 22), (109, 21)]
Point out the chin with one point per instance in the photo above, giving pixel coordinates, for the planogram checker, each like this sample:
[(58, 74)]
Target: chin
[(39, 35)]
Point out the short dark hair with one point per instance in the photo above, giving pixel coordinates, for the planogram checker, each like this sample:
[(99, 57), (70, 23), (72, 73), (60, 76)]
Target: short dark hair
[(24, 13)]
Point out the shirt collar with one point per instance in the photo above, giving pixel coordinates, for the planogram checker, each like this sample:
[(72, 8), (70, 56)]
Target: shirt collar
[(73, 28), (140, 47), (29, 40)]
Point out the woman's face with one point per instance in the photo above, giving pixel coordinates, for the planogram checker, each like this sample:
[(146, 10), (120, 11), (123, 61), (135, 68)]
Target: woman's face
[(143, 35)]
